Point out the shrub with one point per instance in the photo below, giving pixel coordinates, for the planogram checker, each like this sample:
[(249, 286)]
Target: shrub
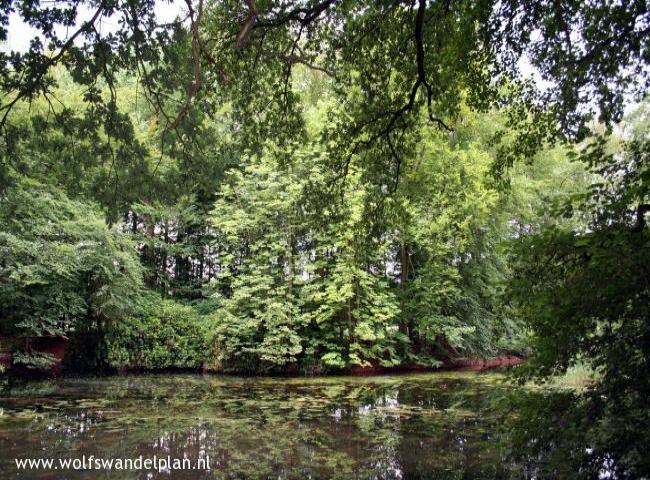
[(164, 334)]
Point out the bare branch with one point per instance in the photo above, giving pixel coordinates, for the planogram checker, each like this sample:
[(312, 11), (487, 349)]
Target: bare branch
[(302, 15)]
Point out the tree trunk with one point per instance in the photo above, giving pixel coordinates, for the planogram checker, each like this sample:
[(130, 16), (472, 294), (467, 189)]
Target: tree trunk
[(350, 335), (148, 252), (404, 262), (290, 259)]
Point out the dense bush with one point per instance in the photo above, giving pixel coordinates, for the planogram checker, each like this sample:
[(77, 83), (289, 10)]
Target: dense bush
[(61, 267), (164, 334)]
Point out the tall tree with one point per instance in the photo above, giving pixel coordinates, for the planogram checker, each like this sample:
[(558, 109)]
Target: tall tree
[(258, 212)]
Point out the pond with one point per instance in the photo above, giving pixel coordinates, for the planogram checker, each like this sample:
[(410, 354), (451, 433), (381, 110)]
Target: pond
[(438, 425)]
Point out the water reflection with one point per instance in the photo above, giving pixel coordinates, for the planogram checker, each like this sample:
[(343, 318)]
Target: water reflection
[(414, 426)]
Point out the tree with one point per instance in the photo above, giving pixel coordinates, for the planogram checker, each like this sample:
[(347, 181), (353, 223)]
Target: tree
[(584, 294), (445, 206), (388, 61), (354, 312), (258, 212), (62, 267)]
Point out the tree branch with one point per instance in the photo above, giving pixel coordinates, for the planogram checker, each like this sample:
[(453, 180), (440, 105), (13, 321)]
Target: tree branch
[(240, 41), (641, 210), (50, 63), (195, 20), (410, 104)]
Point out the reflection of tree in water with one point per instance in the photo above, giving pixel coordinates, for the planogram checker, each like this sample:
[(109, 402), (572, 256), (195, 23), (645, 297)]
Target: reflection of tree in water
[(557, 433), (387, 427)]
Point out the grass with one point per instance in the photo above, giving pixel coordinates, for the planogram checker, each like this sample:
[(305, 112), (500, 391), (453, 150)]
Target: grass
[(576, 377)]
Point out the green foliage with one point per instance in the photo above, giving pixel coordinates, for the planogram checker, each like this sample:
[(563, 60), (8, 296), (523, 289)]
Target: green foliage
[(362, 278), (392, 66), (348, 297), (162, 334), (34, 360), (303, 269), (61, 265), (326, 182), (257, 214), (584, 294), (444, 223)]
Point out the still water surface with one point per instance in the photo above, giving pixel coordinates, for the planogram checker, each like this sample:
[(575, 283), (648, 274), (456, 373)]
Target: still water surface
[(440, 425)]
